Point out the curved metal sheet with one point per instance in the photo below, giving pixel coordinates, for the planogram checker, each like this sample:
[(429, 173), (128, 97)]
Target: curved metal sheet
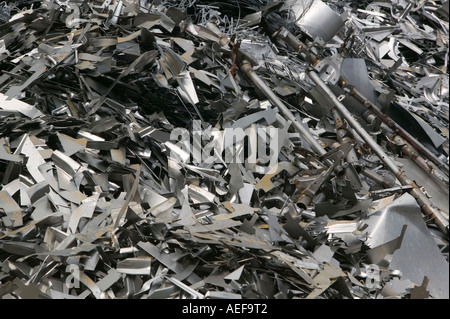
[(418, 256)]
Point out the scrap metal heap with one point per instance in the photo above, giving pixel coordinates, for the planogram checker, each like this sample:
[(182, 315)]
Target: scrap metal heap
[(102, 195)]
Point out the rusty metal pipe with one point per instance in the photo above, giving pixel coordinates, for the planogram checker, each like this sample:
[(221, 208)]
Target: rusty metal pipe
[(353, 123), (400, 131), (421, 199), (341, 133), (375, 177), (440, 221), (299, 47), (418, 159)]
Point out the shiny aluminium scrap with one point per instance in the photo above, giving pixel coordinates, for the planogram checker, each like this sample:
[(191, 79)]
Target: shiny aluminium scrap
[(114, 176)]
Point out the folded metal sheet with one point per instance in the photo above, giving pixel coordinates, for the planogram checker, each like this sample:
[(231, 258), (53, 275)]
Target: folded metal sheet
[(417, 246)]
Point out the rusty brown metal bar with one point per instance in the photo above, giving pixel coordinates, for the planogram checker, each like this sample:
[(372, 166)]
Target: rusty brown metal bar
[(305, 53), (423, 201), (398, 129)]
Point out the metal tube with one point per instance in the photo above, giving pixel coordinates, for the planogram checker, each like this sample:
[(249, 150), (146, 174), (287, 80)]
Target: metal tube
[(304, 200), (400, 131), (315, 145), (408, 8), (295, 43), (375, 177), (440, 221), (298, 46), (356, 126), (422, 200), (418, 159), (393, 189), (341, 133)]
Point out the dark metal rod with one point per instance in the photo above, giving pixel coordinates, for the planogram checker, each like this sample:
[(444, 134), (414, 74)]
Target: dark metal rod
[(251, 74), (301, 48), (400, 131), (440, 221)]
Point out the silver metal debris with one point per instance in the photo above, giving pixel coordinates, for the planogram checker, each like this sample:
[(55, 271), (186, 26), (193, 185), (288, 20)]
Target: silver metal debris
[(255, 149)]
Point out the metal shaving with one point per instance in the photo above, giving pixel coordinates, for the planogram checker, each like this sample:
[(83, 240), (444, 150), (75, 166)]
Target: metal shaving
[(224, 150)]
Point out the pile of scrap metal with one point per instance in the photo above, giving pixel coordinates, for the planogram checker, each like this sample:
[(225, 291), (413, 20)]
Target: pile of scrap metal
[(119, 179)]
